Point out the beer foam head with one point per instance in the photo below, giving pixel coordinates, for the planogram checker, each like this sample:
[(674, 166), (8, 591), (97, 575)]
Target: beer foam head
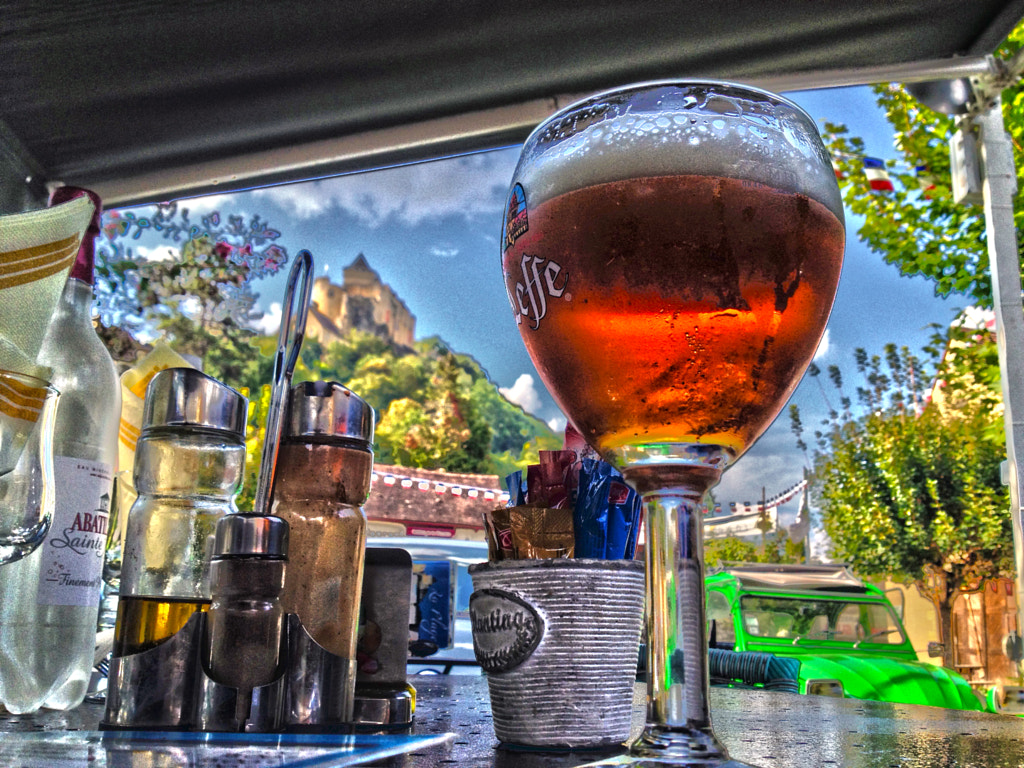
[(667, 129)]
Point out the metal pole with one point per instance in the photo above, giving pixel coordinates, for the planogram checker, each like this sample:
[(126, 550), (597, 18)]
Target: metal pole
[(1000, 185)]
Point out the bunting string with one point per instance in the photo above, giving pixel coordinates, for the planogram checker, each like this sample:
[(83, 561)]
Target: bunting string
[(747, 507), (876, 171), (487, 494)]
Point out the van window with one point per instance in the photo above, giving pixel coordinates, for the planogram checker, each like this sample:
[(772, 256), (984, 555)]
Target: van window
[(718, 612)]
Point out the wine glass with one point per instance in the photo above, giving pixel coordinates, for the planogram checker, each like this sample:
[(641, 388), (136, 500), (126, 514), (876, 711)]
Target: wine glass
[(671, 251), (27, 411)]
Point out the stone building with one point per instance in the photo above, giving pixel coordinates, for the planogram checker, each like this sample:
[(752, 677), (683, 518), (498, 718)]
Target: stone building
[(361, 302)]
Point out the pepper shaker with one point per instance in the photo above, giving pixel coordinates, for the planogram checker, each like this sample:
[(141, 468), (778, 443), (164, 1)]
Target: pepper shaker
[(242, 648), (322, 478)]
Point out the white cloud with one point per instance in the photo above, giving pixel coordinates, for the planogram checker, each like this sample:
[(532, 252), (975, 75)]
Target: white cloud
[(821, 544), (557, 424), (271, 320), (442, 252), (523, 393), (744, 480), (824, 346), (466, 186), (160, 253)]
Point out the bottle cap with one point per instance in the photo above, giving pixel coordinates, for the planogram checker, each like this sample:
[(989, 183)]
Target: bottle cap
[(186, 397), (329, 409), (248, 535)]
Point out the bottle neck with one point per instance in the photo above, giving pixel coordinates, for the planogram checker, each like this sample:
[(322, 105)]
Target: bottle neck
[(76, 299)]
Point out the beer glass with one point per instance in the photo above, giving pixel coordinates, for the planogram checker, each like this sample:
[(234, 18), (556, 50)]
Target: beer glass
[(671, 252), (27, 412)]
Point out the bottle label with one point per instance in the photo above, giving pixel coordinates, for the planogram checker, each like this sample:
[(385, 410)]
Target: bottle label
[(72, 566)]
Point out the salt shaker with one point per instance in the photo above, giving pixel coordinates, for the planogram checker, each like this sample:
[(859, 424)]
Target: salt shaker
[(322, 478), (188, 468)]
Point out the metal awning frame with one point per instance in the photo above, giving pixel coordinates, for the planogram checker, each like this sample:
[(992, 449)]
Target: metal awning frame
[(432, 139)]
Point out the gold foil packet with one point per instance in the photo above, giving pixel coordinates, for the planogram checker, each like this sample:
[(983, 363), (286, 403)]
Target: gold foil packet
[(541, 533), (499, 535)]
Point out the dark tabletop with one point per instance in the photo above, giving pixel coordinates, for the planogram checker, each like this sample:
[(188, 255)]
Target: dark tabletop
[(767, 729)]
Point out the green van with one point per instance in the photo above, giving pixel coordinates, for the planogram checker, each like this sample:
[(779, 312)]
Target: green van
[(845, 633)]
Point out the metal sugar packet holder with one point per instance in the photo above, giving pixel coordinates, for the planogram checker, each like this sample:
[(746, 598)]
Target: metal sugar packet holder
[(174, 687)]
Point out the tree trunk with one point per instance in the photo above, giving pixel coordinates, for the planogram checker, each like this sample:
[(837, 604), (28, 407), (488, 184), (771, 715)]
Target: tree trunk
[(940, 590), (945, 608)]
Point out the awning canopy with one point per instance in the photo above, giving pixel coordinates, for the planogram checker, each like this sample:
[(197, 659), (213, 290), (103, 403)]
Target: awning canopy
[(146, 101)]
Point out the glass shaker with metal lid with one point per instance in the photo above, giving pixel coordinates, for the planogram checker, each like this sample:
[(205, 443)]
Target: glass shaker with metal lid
[(322, 479), (188, 469), (245, 622)]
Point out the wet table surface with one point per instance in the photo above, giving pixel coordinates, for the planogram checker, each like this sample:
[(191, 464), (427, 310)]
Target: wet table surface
[(767, 729)]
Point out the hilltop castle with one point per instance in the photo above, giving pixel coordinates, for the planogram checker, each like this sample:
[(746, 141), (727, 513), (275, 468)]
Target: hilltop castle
[(362, 302)]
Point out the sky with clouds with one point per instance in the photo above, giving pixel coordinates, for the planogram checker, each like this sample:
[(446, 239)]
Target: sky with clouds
[(431, 231)]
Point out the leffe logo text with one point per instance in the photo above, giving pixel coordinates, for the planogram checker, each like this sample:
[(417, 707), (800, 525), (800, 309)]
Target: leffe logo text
[(542, 278)]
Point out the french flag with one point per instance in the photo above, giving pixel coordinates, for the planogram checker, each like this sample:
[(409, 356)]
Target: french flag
[(926, 180), (878, 177)]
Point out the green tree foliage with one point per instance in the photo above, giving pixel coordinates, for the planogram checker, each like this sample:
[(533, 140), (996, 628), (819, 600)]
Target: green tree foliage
[(197, 295), (776, 547), (918, 227), (436, 409), (909, 486), (440, 410)]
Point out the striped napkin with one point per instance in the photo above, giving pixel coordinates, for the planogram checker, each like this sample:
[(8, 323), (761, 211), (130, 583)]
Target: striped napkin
[(22, 400), (37, 250)]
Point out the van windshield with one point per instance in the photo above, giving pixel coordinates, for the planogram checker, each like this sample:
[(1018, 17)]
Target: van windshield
[(821, 619)]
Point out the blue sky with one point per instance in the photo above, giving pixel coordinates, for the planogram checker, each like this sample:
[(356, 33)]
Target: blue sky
[(431, 232)]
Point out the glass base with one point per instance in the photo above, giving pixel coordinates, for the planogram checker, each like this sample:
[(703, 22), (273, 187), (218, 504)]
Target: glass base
[(661, 746), (673, 746)]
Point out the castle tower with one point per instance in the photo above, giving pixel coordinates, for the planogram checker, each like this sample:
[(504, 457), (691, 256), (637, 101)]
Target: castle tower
[(327, 297), (362, 301)]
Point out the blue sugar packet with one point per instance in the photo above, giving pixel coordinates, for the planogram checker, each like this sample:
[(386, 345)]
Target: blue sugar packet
[(636, 514), (619, 519), (590, 513), (516, 488)]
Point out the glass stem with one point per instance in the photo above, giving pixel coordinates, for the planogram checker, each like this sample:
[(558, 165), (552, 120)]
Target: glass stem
[(677, 670), (678, 730)]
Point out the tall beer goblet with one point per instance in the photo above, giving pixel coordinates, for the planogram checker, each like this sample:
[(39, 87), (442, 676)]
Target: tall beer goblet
[(671, 252)]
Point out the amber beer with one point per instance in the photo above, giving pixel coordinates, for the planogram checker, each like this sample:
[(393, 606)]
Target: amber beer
[(671, 308)]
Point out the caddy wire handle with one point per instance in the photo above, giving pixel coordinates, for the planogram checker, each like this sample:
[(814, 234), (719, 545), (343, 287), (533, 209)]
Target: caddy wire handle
[(289, 342)]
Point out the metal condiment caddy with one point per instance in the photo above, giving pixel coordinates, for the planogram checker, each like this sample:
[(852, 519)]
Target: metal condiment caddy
[(237, 662)]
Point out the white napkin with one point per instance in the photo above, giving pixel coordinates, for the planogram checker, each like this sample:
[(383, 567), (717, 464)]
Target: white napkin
[(37, 250)]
